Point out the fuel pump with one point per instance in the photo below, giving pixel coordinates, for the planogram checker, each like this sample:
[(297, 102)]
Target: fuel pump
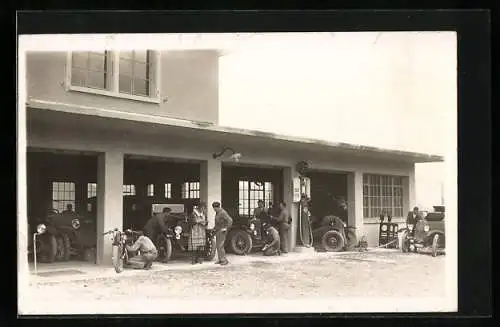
[(305, 229)]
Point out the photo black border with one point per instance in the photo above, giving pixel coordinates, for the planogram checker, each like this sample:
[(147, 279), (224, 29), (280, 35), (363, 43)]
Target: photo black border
[(474, 120)]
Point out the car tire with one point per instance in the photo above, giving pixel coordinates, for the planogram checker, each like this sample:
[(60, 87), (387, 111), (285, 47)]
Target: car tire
[(332, 241), (66, 246), (211, 250), (435, 245), (117, 258), (164, 248), (48, 249), (405, 247), (240, 242)]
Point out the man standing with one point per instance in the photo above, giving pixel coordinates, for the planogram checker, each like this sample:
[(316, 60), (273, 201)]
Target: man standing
[(222, 223), (272, 246), (284, 225), (413, 218), (157, 224), (148, 252)]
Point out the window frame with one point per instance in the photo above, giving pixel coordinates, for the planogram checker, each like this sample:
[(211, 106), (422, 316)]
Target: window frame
[(252, 197), (114, 75), (381, 194), (64, 191), (187, 189)]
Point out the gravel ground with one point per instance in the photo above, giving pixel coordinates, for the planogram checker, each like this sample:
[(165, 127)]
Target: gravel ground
[(354, 275)]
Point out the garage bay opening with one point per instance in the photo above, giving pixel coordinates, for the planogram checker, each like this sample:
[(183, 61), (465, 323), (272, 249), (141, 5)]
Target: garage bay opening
[(242, 188), (61, 190)]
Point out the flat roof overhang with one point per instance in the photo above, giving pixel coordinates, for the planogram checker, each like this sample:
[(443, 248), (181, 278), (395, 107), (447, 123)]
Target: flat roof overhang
[(111, 119)]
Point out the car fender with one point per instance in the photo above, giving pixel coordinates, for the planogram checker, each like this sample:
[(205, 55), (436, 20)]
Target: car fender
[(430, 234)]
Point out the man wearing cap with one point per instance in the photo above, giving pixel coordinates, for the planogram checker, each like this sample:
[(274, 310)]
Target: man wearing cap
[(147, 249), (222, 223)]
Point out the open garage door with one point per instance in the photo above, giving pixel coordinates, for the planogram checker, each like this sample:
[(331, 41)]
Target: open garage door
[(61, 190), (149, 184), (328, 189)]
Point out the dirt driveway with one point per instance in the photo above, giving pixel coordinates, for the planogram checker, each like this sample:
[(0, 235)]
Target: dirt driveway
[(376, 275)]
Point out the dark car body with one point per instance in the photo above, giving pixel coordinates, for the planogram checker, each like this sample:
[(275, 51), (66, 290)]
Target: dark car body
[(424, 233)]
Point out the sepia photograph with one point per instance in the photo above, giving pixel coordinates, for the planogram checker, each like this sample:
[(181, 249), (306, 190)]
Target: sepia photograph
[(218, 173)]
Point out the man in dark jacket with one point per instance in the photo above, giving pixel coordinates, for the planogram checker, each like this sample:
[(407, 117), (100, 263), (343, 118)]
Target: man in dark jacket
[(283, 221), (222, 223), (413, 218), (272, 246), (157, 224)]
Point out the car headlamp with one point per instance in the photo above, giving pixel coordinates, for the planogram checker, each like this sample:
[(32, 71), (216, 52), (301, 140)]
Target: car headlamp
[(40, 229), (345, 225), (426, 228), (252, 226), (178, 229), (75, 223)]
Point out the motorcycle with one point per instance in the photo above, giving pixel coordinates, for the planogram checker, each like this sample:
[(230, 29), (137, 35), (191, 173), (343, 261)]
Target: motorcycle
[(120, 255)]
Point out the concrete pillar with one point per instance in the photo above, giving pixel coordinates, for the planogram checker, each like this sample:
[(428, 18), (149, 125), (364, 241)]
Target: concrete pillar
[(411, 187), (211, 186), (355, 200), (109, 202), (293, 209)]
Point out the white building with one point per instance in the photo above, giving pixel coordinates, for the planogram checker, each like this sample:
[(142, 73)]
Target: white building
[(110, 123)]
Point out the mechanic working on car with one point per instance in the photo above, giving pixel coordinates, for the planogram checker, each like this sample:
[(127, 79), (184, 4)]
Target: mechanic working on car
[(413, 218), (69, 209), (283, 221), (222, 223), (148, 252), (272, 245), (157, 224)]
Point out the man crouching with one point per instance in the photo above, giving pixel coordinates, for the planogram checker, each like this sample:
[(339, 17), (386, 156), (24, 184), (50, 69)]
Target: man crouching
[(147, 249), (272, 246)]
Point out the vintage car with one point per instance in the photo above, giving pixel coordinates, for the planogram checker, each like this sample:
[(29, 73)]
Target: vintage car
[(245, 235), (175, 242), (428, 233), (331, 234), (63, 235)]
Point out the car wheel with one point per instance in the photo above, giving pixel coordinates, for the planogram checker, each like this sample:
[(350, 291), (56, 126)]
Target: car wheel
[(211, 249), (48, 249), (332, 241), (117, 258), (164, 248), (66, 246), (435, 245), (405, 246), (240, 242)]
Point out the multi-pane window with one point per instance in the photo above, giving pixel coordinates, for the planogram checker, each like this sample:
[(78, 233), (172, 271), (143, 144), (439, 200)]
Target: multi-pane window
[(128, 189), (191, 190), (135, 74), (151, 190), (91, 190), (382, 194), (91, 69), (168, 190), (250, 193), (129, 74), (63, 193)]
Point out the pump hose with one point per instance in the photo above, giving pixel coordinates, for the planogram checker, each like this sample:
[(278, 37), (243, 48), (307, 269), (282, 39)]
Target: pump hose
[(309, 243)]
